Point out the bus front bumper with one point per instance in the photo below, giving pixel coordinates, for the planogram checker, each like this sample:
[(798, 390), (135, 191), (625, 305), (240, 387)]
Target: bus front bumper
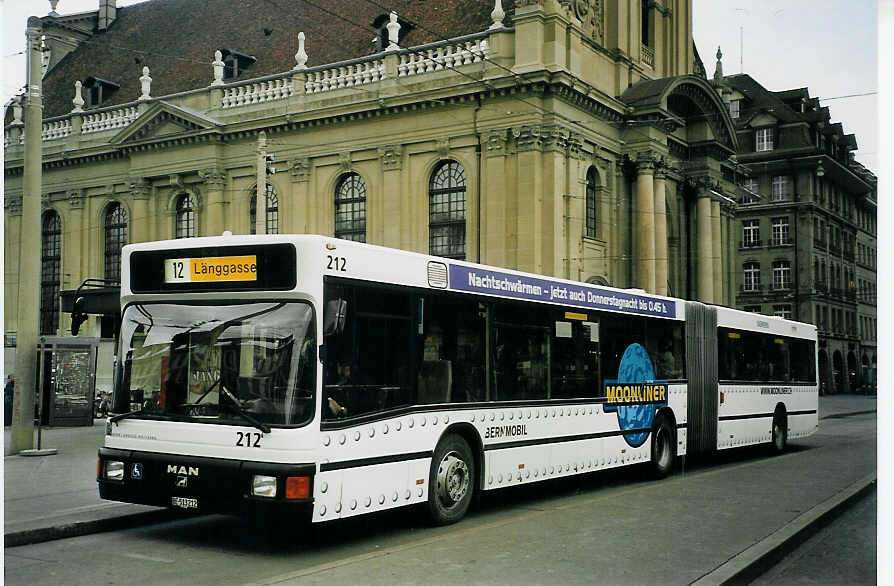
[(202, 485)]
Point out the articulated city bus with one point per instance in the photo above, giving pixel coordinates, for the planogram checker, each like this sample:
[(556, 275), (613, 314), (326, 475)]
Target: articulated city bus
[(339, 378)]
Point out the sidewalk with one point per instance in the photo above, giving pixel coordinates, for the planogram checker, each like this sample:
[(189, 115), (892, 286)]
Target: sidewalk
[(51, 497)]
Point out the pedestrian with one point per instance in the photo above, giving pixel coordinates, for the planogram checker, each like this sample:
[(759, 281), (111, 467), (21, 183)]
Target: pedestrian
[(8, 392)]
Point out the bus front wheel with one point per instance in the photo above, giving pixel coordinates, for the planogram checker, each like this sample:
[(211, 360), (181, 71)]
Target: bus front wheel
[(664, 448), (451, 481)]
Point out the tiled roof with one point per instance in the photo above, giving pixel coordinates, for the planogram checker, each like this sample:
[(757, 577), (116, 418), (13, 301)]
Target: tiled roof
[(176, 39)]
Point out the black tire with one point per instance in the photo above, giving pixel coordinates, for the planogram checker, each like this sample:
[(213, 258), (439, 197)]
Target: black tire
[(664, 447), (780, 432), (451, 481)]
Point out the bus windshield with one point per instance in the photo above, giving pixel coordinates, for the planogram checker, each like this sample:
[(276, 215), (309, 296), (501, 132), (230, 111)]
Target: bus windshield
[(249, 363)]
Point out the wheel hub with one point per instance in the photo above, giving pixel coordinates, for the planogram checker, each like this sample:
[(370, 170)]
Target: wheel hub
[(453, 479)]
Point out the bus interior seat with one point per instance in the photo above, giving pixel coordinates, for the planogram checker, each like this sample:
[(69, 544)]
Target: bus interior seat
[(435, 382)]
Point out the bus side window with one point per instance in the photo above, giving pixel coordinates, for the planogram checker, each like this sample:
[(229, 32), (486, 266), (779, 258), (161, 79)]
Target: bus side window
[(450, 350)]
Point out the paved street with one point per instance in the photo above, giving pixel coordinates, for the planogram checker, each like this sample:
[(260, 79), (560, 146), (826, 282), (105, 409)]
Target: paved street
[(838, 554), (608, 528)]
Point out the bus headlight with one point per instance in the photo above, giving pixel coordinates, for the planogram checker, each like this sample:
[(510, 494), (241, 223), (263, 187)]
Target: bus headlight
[(263, 486), (114, 470)]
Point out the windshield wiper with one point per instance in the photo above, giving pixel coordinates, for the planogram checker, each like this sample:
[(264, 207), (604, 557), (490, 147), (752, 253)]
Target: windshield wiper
[(115, 419), (236, 408)]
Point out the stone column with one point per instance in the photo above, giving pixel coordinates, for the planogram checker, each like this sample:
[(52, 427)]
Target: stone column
[(300, 206), (216, 205), (261, 189), (139, 224), (705, 248), (391, 157), (716, 252), (660, 233), (72, 244), (529, 235), (495, 199), (645, 224)]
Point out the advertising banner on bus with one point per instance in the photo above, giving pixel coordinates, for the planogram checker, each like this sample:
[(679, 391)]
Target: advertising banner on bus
[(478, 280)]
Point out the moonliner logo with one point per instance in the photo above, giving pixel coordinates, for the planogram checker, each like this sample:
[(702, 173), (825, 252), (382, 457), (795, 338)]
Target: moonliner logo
[(635, 395)]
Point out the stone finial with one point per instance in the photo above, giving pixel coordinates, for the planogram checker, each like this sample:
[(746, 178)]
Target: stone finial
[(718, 70), (145, 84), (218, 67), (78, 100), (497, 15), (393, 27), (301, 55), (53, 4)]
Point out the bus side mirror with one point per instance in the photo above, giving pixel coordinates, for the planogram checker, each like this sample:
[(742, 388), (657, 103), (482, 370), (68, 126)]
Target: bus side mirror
[(78, 315), (334, 317)]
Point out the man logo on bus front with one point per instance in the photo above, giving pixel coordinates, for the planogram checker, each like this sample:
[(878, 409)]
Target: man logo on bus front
[(635, 395)]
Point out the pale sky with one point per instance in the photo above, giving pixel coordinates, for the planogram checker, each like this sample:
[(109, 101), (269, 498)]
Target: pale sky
[(828, 46)]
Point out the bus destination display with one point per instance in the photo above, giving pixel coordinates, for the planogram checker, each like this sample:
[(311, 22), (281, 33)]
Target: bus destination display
[(211, 269), (254, 267)]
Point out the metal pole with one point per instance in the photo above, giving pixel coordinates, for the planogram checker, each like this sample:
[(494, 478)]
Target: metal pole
[(40, 390)]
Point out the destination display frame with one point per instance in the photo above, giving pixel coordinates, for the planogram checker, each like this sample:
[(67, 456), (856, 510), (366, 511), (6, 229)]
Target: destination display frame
[(267, 267)]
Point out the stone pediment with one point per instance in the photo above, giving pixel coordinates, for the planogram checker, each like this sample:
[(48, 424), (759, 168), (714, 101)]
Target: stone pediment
[(164, 121)]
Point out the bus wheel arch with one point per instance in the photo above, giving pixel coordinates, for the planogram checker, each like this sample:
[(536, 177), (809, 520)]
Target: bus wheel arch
[(452, 475), (779, 431), (468, 432), (664, 442)]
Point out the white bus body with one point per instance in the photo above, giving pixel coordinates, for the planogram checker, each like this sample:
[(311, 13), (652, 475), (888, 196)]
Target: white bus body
[(383, 457)]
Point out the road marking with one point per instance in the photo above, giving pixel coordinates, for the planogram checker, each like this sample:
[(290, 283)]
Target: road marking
[(148, 558)]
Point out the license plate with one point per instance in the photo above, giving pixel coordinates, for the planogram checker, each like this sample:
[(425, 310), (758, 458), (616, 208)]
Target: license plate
[(184, 502)]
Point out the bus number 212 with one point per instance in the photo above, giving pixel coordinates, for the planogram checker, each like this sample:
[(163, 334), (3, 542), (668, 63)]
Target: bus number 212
[(336, 263), (248, 439)]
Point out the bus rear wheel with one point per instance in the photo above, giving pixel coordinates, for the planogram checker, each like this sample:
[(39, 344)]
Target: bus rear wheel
[(780, 433), (664, 448), (451, 480)]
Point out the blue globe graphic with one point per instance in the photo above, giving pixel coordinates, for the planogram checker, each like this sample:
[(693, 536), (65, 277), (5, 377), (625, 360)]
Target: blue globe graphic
[(635, 367)]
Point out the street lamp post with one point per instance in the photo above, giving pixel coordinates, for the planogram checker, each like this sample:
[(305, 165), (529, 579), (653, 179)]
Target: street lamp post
[(28, 306)]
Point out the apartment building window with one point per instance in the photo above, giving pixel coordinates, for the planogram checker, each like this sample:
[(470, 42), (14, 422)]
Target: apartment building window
[(752, 274), (750, 191), (734, 106), (185, 226), (350, 208), (50, 265), (783, 311), (779, 188), (780, 232), (763, 139), (752, 308), (115, 226), (751, 233), (447, 211), (271, 213), (782, 275), (591, 202)]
